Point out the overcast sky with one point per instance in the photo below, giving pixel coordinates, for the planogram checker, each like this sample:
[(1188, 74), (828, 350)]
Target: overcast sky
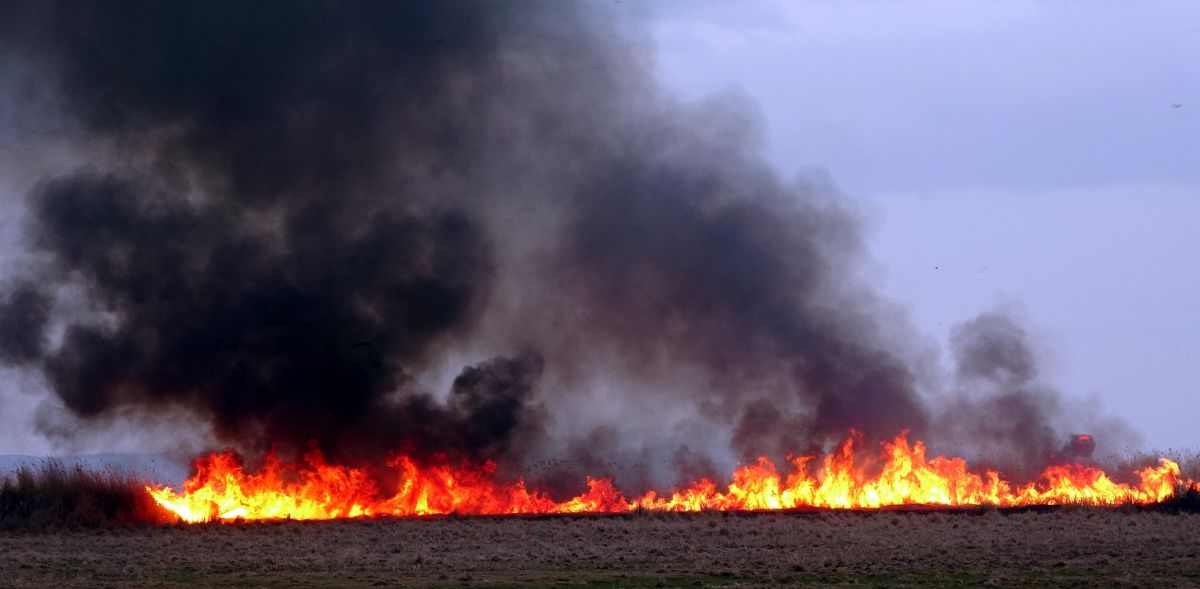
[(1042, 156)]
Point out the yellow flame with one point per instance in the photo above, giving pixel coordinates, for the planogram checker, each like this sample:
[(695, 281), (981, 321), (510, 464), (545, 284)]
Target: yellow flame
[(222, 490)]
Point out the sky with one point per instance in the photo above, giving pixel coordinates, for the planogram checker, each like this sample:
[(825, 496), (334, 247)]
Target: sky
[(1042, 157), (1038, 156)]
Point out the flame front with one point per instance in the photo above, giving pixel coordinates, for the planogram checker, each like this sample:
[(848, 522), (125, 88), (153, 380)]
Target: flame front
[(222, 490)]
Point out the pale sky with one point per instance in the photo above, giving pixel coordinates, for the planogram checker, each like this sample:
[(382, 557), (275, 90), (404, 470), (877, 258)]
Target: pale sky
[(1038, 155)]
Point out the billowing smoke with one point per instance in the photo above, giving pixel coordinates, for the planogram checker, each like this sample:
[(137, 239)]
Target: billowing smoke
[(1002, 410), (24, 312), (293, 216)]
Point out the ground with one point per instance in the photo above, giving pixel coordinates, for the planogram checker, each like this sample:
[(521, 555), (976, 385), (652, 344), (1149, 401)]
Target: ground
[(1065, 547)]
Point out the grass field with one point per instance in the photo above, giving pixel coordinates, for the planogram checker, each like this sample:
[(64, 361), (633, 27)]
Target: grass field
[(1082, 547)]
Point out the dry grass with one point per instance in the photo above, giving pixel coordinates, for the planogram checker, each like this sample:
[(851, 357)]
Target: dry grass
[(1032, 548), (70, 527), (54, 495)]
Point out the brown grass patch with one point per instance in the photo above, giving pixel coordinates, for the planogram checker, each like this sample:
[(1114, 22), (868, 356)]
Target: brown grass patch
[(53, 494), (1022, 548)]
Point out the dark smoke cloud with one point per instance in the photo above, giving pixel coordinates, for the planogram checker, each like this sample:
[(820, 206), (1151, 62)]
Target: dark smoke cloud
[(1003, 411), (256, 333), (495, 396), (301, 209), (24, 313), (992, 347), (259, 245)]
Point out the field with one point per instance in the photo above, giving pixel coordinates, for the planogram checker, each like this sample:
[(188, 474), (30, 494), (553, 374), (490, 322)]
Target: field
[(1082, 547)]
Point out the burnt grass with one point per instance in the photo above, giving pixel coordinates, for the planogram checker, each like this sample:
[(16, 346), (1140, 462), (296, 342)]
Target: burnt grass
[(1066, 546)]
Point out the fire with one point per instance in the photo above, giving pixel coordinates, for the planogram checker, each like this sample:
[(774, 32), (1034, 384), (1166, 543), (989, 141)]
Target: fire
[(847, 478)]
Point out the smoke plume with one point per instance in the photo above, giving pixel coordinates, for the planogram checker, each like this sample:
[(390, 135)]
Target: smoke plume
[(1002, 410), (294, 215)]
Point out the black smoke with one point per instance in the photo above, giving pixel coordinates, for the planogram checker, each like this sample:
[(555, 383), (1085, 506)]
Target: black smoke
[(294, 212), (259, 245), (24, 313)]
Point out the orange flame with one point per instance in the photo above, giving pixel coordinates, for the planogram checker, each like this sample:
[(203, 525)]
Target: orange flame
[(222, 490)]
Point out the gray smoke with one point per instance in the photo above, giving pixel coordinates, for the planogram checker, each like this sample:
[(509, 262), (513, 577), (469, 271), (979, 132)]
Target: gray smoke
[(1003, 411), (300, 210), (24, 313)]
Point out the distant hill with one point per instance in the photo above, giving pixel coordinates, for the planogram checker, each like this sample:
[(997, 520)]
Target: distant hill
[(156, 468)]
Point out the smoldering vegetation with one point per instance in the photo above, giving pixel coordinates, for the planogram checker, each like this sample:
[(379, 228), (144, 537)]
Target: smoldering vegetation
[(289, 217), (54, 495)]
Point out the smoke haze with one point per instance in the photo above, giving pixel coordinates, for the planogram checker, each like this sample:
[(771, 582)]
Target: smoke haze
[(295, 218)]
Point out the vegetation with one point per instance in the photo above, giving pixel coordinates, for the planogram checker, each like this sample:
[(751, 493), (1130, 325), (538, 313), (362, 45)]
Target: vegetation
[(65, 526), (53, 494)]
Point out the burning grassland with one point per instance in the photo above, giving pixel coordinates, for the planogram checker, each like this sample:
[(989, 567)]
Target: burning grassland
[(221, 488), (395, 253), (477, 232), (1060, 547)]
